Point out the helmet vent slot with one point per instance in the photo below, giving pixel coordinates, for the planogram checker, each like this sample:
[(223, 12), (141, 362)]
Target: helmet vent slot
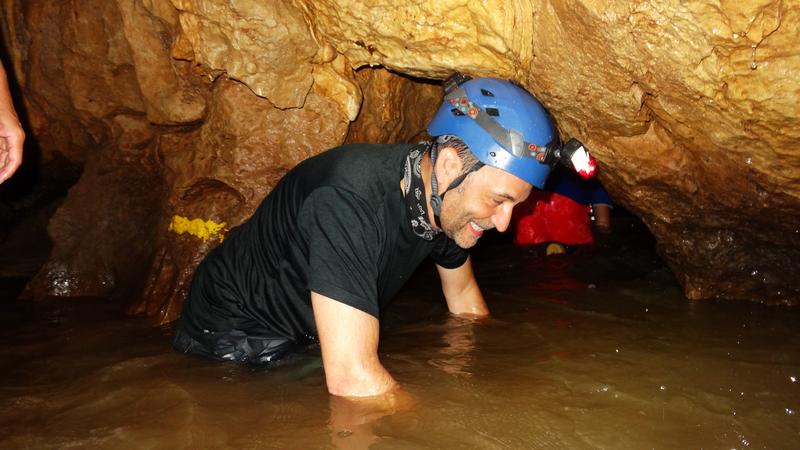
[(456, 112), (487, 93), (493, 112)]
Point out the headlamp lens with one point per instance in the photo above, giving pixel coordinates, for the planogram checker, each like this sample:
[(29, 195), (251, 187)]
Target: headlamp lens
[(579, 158)]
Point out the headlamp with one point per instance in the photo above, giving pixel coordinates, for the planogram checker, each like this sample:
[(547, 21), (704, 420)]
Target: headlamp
[(573, 155)]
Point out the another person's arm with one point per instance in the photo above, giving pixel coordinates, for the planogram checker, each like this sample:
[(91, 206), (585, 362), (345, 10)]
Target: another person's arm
[(11, 134), (348, 339), (461, 290), (602, 217)]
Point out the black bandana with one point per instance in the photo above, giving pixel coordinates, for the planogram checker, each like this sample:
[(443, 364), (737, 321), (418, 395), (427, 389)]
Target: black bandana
[(414, 192)]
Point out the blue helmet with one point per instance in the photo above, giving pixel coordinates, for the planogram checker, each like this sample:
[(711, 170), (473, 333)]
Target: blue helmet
[(502, 124)]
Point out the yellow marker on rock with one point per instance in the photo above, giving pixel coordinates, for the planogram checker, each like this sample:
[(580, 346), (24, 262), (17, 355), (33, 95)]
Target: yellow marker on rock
[(204, 229)]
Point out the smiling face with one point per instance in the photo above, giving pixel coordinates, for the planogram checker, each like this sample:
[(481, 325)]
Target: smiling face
[(483, 201)]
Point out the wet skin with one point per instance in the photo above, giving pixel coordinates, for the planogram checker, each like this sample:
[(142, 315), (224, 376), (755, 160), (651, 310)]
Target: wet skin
[(484, 200)]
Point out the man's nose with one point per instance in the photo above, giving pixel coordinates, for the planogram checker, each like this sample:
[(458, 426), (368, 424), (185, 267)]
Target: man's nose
[(502, 218)]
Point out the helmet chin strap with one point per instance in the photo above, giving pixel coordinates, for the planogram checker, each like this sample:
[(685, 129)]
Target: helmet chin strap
[(436, 198)]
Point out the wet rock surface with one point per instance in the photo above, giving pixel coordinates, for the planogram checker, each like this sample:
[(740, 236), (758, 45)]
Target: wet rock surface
[(194, 108)]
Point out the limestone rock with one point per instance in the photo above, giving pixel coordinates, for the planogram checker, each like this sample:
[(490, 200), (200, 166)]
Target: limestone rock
[(105, 229), (266, 45), (395, 108), (427, 39), (76, 69), (170, 90), (334, 81)]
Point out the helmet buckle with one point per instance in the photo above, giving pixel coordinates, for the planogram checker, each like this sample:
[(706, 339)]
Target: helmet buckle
[(454, 81)]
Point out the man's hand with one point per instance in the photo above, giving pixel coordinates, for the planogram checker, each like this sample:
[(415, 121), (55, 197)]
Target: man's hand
[(348, 339), (352, 419), (11, 134)]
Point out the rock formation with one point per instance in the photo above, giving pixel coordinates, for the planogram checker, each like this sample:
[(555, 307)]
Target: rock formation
[(184, 114)]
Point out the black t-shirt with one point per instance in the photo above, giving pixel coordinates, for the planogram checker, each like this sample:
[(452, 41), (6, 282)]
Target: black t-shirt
[(337, 225)]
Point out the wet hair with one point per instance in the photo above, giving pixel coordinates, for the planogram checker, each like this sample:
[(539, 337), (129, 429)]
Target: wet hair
[(468, 160)]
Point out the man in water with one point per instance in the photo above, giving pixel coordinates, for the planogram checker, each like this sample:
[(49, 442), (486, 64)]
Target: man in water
[(341, 233)]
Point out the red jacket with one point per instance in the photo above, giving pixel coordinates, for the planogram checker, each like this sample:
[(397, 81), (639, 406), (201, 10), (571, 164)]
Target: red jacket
[(550, 217)]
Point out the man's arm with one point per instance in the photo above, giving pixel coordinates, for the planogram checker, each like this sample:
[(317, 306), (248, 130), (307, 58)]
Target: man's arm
[(11, 134), (348, 339), (461, 290)]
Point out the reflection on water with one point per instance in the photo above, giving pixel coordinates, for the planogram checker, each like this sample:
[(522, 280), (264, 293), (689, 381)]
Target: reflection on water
[(583, 351)]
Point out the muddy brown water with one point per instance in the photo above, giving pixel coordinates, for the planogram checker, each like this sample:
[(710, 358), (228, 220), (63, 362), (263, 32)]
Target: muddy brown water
[(595, 349)]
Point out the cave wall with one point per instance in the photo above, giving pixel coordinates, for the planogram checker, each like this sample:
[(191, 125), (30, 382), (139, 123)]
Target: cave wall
[(184, 114)]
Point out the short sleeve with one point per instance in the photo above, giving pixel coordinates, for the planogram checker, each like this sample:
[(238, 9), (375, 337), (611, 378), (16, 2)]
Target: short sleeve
[(448, 254), (343, 239), (600, 196)]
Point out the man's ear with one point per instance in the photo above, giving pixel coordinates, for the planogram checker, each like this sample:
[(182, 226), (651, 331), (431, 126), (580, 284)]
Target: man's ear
[(448, 167)]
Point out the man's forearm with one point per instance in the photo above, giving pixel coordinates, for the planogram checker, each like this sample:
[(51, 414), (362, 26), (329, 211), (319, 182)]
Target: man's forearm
[(348, 339), (461, 291), (469, 301)]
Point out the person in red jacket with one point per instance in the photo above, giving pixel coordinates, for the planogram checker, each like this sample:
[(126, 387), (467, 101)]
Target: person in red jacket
[(562, 213)]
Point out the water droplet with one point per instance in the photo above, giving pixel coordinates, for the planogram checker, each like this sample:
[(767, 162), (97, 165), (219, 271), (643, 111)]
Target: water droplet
[(616, 350), (749, 161), (793, 378), (789, 412), (591, 286), (663, 387)]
